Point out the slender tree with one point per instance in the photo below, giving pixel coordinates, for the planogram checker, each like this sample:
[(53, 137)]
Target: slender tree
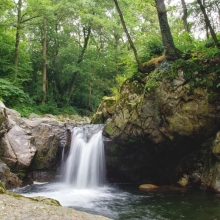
[(208, 24), (217, 4), (171, 51), (17, 40), (44, 81), (140, 66), (185, 15), (21, 19), (86, 33)]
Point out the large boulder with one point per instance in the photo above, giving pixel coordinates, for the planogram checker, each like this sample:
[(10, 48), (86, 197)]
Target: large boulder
[(34, 144), (49, 137), (21, 143), (16, 148), (167, 111), (160, 122)]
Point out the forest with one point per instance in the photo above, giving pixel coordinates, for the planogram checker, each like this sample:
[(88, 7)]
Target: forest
[(62, 57)]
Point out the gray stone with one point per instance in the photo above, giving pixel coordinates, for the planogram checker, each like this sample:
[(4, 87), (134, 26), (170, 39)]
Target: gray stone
[(22, 146), (18, 207)]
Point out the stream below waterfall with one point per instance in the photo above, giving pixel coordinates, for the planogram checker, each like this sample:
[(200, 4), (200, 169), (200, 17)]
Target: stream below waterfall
[(127, 202), (83, 187)]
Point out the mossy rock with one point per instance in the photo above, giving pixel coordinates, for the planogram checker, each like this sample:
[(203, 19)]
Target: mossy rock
[(97, 118), (2, 188), (184, 180), (45, 200), (16, 195), (105, 110), (151, 65), (38, 162), (109, 129), (109, 101), (21, 174), (42, 199)]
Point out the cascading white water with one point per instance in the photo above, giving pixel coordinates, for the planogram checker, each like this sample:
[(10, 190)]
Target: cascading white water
[(63, 152), (85, 165)]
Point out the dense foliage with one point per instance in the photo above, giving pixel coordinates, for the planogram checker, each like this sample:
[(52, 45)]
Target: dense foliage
[(75, 52)]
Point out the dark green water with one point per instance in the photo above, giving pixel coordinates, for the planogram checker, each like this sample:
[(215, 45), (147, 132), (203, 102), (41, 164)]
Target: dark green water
[(127, 202), (170, 204)]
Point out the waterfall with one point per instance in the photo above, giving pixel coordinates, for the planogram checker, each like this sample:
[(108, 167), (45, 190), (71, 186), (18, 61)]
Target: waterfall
[(63, 154), (85, 165)]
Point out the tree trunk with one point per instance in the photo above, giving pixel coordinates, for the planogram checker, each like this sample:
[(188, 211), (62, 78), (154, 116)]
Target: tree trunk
[(185, 15), (44, 83), (218, 8), (206, 27), (90, 93), (17, 40), (89, 97), (208, 24), (80, 59), (140, 66), (171, 52)]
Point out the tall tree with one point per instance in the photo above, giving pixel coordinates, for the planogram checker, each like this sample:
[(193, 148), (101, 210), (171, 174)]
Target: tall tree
[(185, 15), (17, 40), (21, 20), (171, 51), (208, 24), (44, 80), (86, 33), (140, 66), (6, 40), (217, 4)]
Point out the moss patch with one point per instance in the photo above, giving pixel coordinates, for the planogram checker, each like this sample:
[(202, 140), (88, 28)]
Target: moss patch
[(151, 65), (2, 188), (109, 128), (45, 200)]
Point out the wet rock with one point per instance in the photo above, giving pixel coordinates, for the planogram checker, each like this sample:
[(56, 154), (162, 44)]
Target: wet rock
[(215, 180), (40, 176), (216, 146), (9, 179), (147, 187), (184, 181), (211, 173)]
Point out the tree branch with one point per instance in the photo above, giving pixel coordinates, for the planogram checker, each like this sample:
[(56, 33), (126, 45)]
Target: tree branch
[(28, 19)]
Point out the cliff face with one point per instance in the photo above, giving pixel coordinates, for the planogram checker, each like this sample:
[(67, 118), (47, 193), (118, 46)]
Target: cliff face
[(159, 126)]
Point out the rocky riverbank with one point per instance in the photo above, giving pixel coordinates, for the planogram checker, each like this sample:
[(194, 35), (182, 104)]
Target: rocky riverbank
[(20, 208)]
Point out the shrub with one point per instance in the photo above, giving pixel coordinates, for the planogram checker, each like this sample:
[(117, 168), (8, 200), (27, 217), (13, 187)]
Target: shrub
[(12, 95)]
